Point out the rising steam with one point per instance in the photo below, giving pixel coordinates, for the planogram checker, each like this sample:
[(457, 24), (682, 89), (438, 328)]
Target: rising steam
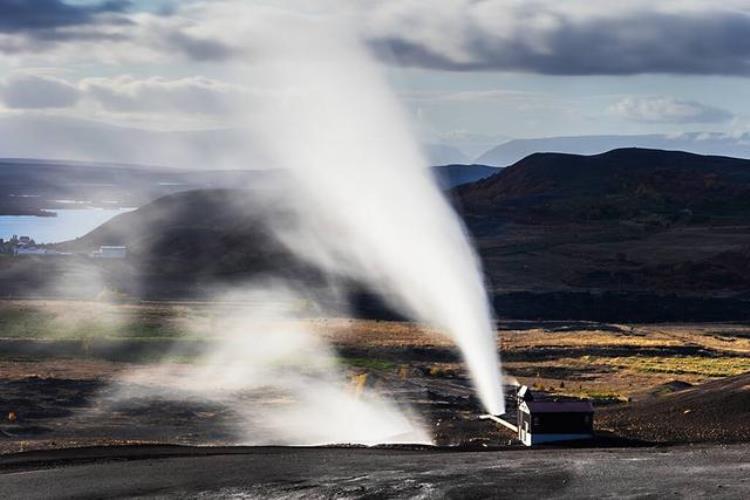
[(283, 382), (368, 205)]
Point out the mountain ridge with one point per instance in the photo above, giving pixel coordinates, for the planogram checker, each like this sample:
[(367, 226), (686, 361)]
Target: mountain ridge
[(618, 183), (712, 143)]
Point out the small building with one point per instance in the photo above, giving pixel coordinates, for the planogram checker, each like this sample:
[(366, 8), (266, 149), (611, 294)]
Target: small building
[(539, 419), (110, 252), (550, 421)]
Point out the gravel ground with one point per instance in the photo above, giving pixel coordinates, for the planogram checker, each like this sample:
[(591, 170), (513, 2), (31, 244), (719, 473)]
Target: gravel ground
[(153, 472)]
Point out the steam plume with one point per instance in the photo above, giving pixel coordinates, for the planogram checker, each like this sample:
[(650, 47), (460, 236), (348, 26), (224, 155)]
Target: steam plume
[(368, 204)]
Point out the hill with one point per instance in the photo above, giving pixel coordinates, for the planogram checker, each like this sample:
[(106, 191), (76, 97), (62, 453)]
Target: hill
[(450, 176), (205, 232), (624, 184), (514, 150), (717, 411)]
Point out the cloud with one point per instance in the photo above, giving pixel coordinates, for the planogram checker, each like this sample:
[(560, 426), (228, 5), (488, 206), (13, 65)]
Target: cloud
[(657, 109), (574, 37), (472, 95), (166, 103), (571, 37), (41, 18), (198, 49), (26, 91), (115, 32), (186, 95), (41, 15)]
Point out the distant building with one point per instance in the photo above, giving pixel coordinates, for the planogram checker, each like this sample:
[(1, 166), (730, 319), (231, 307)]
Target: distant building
[(32, 250), (29, 250), (110, 252), (539, 419)]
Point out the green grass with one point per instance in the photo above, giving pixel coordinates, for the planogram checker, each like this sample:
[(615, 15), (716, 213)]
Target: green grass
[(33, 323)]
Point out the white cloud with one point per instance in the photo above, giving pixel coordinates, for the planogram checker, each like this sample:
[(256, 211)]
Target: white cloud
[(29, 91), (659, 109), (185, 95), (571, 37), (159, 103)]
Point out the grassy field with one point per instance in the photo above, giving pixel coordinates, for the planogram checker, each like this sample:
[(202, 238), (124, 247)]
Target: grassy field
[(605, 362)]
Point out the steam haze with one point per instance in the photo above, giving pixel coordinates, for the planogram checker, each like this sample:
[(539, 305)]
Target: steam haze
[(281, 379)]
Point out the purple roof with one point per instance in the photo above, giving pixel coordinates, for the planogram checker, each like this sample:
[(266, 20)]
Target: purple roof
[(560, 406)]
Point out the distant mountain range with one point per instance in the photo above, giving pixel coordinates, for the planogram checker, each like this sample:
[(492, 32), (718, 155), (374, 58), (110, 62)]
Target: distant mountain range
[(82, 140), (42, 136), (701, 143), (28, 186), (443, 154)]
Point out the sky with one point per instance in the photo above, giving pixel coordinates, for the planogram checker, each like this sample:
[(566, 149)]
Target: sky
[(469, 72)]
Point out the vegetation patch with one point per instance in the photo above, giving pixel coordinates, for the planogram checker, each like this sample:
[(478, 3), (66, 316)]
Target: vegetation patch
[(709, 367)]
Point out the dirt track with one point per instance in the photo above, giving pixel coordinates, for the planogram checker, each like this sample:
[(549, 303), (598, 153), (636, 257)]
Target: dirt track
[(715, 471)]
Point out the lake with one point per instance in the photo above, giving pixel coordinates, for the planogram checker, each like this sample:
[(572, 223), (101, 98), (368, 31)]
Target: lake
[(70, 223)]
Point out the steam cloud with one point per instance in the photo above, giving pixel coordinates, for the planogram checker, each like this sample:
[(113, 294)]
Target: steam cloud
[(282, 380)]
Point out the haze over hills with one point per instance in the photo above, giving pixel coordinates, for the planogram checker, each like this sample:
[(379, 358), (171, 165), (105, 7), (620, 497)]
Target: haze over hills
[(196, 232), (29, 186), (720, 144), (629, 235), (28, 136), (450, 176), (443, 154), (69, 139)]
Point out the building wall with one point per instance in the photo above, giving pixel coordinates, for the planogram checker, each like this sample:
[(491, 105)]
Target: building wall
[(530, 439), (536, 428), (556, 423)]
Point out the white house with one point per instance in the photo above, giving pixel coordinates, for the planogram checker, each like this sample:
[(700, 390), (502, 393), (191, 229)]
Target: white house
[(110, 252)]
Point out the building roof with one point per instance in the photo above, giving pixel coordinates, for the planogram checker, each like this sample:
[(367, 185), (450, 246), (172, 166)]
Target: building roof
[(560, 406)]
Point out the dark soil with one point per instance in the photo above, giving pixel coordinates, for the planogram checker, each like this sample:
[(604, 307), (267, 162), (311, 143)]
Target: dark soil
[(717, 411)]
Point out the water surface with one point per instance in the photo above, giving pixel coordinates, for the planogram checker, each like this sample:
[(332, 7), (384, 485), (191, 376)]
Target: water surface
[(70, 223)]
